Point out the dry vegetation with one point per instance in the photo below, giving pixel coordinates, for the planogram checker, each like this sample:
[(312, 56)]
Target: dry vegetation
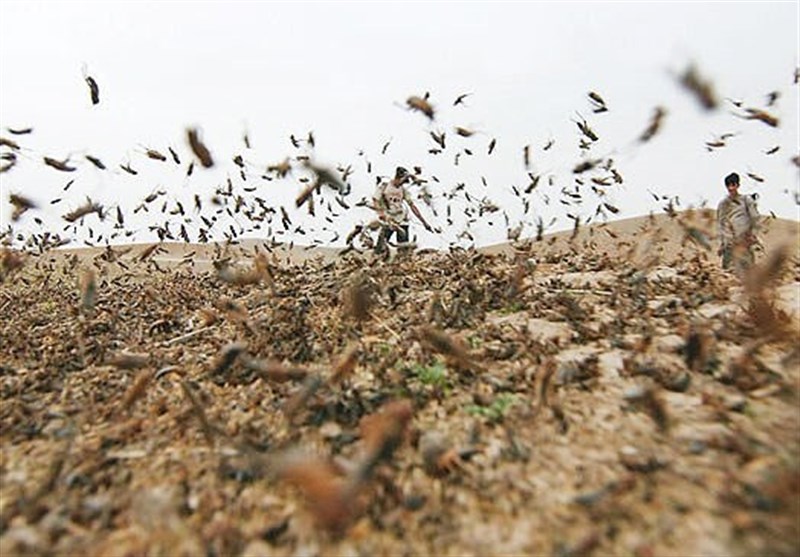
[(549, 398)]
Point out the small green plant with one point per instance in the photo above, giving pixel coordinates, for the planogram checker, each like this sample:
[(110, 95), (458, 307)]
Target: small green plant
[(474, 341), (434, 375), (512, 308), (496, 410)]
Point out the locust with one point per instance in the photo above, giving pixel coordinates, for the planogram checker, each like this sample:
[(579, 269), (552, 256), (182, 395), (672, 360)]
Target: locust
[(702, 89), (421, 104), (199, 148), (58, 165)]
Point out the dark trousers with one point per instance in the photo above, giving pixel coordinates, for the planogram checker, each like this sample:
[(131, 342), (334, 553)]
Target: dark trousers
[(738, 257), (400, 231)]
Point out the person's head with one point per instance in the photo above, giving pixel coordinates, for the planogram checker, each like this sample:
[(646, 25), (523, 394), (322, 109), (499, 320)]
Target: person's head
[(400, 173), (732, 183)]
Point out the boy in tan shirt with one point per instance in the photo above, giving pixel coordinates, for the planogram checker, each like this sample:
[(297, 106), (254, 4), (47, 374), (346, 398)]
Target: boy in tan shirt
[(737, 223)]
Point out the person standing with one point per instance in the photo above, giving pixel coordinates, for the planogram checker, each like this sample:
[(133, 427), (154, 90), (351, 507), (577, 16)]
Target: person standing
[(391, 201), (737, 224)]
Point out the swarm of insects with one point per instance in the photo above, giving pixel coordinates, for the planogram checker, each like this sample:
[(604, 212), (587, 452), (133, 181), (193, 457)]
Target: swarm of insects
[(223, 390)]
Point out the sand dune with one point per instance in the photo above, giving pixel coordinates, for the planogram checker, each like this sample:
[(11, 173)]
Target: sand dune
[(663, 237)]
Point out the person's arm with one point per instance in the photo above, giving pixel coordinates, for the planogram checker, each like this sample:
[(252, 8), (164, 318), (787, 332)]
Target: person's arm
[(419, 215), (755, 220), (722, 228), (752, 212)]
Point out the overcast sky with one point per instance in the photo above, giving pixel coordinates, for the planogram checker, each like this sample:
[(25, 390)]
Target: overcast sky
[(344, 70)]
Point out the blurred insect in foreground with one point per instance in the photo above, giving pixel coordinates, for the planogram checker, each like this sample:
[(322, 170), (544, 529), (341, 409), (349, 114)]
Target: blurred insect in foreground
[(655, 124), (199, 149), (702, 89), (452, 348), (439, 456), (12, 160), (227, 356), (86, 209), (88, 288), (21, 204), (10, 261), (760, 115), (647, 399), (421, 104), (322, 176), (336, 496), (281, 169)]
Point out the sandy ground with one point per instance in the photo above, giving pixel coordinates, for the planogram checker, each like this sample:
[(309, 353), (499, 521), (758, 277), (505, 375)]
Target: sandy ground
[(612, 393)]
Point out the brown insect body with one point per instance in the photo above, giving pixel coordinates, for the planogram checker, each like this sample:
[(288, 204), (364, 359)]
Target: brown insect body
[(199, 148), (155, 155), (421, 104), (702, 89), (21, 204), (86, 209), (58, 165)]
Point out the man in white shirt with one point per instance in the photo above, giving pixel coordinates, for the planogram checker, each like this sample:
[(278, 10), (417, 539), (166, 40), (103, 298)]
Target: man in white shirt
[(391, 201)]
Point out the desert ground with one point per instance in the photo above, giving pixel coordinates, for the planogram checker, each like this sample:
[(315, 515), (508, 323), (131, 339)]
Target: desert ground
[(604, 391)]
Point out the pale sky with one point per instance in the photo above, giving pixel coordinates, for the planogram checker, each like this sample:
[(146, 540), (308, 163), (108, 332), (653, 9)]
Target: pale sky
[(343, 70)]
